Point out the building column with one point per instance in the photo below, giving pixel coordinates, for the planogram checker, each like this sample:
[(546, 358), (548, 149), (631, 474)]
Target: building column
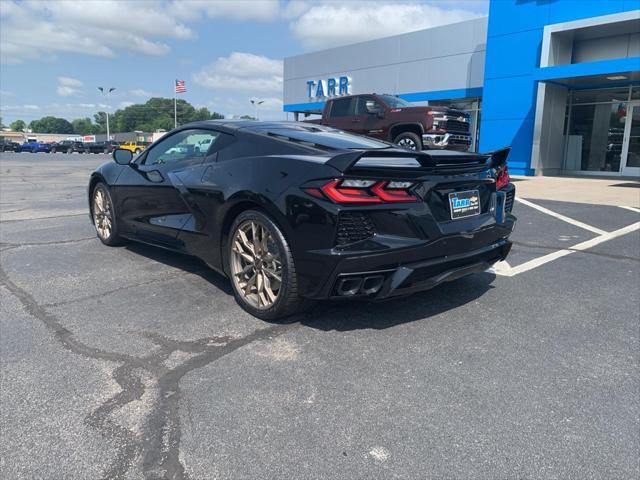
[(547, 150)]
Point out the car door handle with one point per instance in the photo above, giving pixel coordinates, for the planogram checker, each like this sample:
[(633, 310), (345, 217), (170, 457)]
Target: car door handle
[(355, 121)]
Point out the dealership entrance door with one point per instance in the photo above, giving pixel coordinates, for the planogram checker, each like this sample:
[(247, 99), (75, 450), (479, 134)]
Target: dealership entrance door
[(602, 132), (630, 161)]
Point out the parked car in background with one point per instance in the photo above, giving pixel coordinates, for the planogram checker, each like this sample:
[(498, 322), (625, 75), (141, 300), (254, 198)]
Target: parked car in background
[(100, 147), (393, 119), (135, 147), (203, 145), (9, 146), (35, 147), (68, 146)]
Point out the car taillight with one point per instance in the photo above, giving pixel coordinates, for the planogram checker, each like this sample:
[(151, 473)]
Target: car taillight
[(502, 178), (351, 191)]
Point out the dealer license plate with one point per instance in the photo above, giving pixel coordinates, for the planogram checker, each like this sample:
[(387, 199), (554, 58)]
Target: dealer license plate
[(464, 204)]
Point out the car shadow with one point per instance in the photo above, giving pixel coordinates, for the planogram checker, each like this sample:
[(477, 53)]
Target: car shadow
[(183, 262), (350, 315), (346, 315)]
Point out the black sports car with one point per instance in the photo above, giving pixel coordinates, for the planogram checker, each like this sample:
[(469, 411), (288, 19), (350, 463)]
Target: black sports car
[(99, 147), (68, 146), (292, 211)]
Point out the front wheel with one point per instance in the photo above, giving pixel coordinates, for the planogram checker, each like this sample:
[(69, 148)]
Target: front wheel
[(408, 140), (138, 151), (104, 217), (261, 267)]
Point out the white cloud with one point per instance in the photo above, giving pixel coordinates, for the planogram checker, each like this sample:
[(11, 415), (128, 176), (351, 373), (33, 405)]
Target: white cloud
[(12, 108), (39, 30), (295, 8), (68, 86), (262, 10), (36, 30), (139, 92), (332, 24), (242, 72), (69, 82)]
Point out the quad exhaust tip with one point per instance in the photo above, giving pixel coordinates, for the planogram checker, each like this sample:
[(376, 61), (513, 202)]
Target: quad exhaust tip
[(367, 285)]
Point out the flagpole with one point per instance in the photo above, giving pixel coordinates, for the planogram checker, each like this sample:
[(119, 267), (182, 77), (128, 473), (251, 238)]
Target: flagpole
[(175, 106)]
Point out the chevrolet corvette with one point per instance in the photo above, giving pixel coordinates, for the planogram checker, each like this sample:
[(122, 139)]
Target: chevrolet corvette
[(293, 212)]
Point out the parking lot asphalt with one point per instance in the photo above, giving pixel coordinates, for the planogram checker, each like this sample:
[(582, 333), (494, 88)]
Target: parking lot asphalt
[(133, 362)]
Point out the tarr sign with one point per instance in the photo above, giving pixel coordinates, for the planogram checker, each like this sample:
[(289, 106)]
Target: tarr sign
[(331, 87)]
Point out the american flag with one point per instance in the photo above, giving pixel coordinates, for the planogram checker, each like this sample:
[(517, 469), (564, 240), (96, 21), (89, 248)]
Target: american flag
[(180, 86)]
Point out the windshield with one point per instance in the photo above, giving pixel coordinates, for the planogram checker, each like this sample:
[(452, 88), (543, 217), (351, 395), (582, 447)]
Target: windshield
[(394, 102)]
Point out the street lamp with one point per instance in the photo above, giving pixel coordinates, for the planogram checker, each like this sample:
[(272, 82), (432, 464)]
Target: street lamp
[(105, 93), (255, 103)]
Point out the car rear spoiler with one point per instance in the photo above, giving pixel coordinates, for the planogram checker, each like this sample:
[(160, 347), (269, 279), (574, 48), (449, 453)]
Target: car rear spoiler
[(429, 159)]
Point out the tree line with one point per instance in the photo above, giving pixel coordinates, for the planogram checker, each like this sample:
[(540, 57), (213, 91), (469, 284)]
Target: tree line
[(155, 114)]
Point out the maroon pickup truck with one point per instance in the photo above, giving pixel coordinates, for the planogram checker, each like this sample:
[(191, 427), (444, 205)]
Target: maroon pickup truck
[(390, 118)]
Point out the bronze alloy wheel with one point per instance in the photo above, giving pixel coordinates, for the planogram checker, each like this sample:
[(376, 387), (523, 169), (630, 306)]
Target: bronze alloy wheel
[(256, 264), (102, 213)]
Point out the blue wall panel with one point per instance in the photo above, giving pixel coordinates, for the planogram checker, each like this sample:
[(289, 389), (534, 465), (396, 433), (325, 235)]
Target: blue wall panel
[(566, 11), (510, 98), (520, 132), (508, 16), (516, 47), (514, 41)]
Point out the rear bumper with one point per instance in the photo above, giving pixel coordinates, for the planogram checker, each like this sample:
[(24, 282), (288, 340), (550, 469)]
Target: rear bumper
[(377, 276)]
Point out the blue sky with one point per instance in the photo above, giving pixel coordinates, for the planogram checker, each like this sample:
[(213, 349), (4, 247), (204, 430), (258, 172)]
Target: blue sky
[(55, 54)]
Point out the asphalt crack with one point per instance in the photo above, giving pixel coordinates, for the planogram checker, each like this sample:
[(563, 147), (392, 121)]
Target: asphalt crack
[(162, 279), (14, 220), (157, 445), (36, 244)]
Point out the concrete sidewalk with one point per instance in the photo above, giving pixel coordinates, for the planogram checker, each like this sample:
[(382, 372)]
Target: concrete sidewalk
[(614, 191)]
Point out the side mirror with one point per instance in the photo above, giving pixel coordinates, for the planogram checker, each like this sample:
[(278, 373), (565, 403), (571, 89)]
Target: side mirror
[(122, 156)]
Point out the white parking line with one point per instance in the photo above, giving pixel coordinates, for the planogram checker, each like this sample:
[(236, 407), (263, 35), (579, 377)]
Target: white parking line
[(559, 216), (507, 271), (633, 209)]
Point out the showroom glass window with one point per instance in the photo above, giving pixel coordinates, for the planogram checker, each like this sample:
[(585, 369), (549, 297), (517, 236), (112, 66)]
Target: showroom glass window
[(595, 131), (181, 146)]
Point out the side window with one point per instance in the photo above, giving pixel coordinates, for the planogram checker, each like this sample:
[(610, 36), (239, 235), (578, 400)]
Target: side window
[(181, 146), (367, 105), (341, 108)]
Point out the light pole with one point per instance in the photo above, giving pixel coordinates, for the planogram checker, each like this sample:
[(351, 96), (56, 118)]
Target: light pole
[(105, 93), (255, 103)]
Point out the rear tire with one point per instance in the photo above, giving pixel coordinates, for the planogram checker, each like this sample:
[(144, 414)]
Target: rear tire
[(408, 140), (261, 267), (104, 215)]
